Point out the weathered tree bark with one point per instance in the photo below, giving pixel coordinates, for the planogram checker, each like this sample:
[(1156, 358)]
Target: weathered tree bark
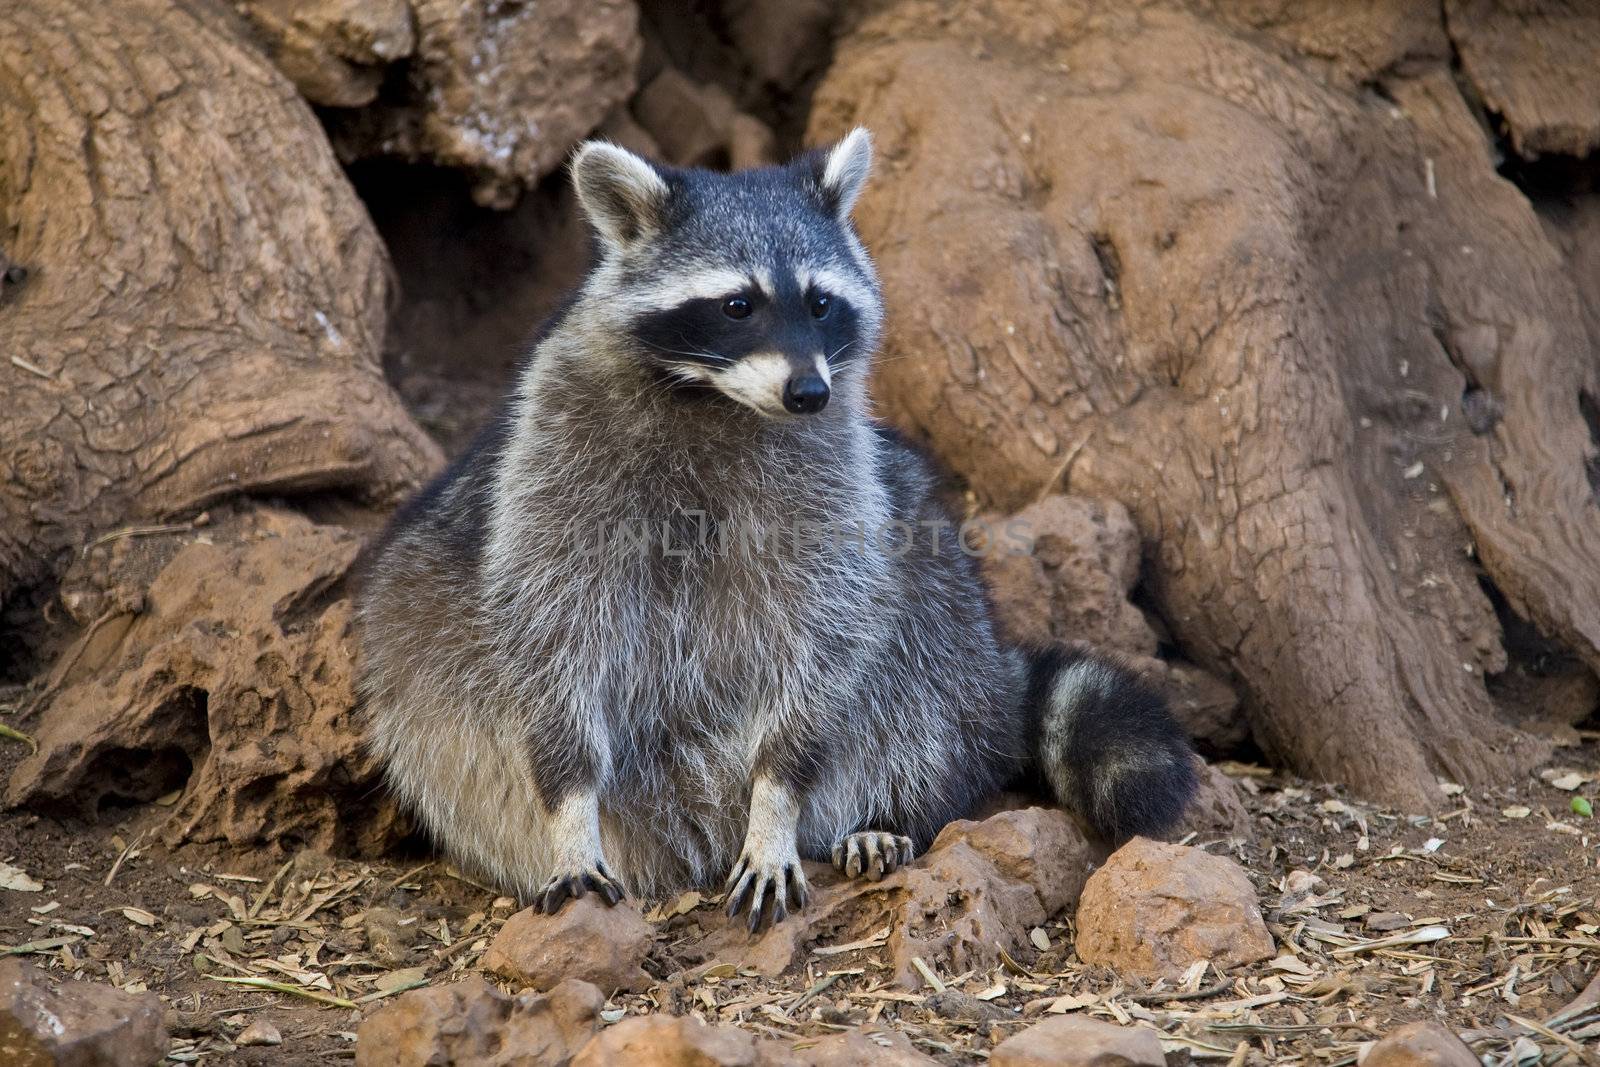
[(205, 299), (1532, 64), (1324, 354), (502, 90)]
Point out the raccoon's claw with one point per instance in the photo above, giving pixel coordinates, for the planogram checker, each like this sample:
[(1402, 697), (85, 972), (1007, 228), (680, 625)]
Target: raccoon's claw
[(770, 892), (873, 854), (572, 885)]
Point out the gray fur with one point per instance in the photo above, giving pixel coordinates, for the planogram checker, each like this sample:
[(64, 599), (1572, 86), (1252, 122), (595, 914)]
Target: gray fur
[(526, 683)]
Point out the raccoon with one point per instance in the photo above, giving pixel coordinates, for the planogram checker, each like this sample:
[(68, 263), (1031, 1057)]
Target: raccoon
[(648, 632)]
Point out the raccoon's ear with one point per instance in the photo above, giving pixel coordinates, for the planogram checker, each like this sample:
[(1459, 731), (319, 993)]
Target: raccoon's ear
[(844, 169), (622, 195)]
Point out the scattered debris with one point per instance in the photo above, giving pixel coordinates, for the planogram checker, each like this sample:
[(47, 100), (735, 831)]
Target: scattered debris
[(1356, 950)]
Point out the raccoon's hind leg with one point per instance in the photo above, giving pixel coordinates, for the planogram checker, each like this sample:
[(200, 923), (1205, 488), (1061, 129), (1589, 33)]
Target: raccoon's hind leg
[(873, 853)]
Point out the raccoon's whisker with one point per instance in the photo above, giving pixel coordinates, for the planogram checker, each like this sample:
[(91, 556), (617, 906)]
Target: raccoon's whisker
[(828, 359), (692, 353)]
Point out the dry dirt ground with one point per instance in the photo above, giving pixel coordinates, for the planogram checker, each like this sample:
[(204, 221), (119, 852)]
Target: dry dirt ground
[(1482, 916)]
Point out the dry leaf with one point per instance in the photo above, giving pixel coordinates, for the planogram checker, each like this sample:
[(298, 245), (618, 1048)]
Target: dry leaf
[(1040, 939), (15, 878), (1292, 965), (1072, 1002), (139, 916), (682, 906)]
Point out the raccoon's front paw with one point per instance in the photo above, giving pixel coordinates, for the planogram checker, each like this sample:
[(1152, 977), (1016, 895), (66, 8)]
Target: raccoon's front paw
[(873, 854), (570, 885), (769, 886)]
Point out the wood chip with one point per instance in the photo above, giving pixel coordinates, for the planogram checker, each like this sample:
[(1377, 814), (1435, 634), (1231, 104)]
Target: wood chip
[(876, 940), (927, 974), (1413, 937)]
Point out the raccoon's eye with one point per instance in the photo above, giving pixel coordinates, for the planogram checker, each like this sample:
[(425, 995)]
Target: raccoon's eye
[(736, 307), (821, 304)]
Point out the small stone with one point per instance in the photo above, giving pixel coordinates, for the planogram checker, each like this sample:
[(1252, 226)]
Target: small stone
[(259, 1032), (680, 1041), (472, 1024), (1155, 909), (85, 1024), (389, 941), (1073, 1041), (587, 939), (1216, 808), (1422, 1044), (880, 1048)]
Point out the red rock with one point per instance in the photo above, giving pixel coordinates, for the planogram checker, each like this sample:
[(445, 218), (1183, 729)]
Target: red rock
[(1424, 1044), (1205, 705), (1073, 1041), (1217, 808), (1073, 584), (49, 1023), (1040, 847), (472, 1024), (1154, 909), (680, 1041), (880, 1048), (700, 125), (587, 939), (232, 679)]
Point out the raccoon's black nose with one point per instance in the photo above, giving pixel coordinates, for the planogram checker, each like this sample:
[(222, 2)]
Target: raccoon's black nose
[(805, 395)]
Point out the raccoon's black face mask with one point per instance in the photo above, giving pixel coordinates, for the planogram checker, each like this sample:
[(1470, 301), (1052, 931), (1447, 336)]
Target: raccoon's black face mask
[(750, 285)]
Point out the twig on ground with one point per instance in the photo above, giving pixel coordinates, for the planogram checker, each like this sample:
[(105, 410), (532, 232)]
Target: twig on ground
[(285, 987), (1194, 994)]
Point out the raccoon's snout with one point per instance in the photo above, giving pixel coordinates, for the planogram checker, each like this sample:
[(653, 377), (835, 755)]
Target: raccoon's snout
[(805, 394)]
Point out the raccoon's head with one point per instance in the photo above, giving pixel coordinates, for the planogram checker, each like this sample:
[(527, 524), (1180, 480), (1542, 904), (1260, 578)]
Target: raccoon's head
[(752, 284)]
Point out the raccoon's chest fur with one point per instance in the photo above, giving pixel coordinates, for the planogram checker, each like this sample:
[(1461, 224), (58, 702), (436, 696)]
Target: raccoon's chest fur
[(685, 645)]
